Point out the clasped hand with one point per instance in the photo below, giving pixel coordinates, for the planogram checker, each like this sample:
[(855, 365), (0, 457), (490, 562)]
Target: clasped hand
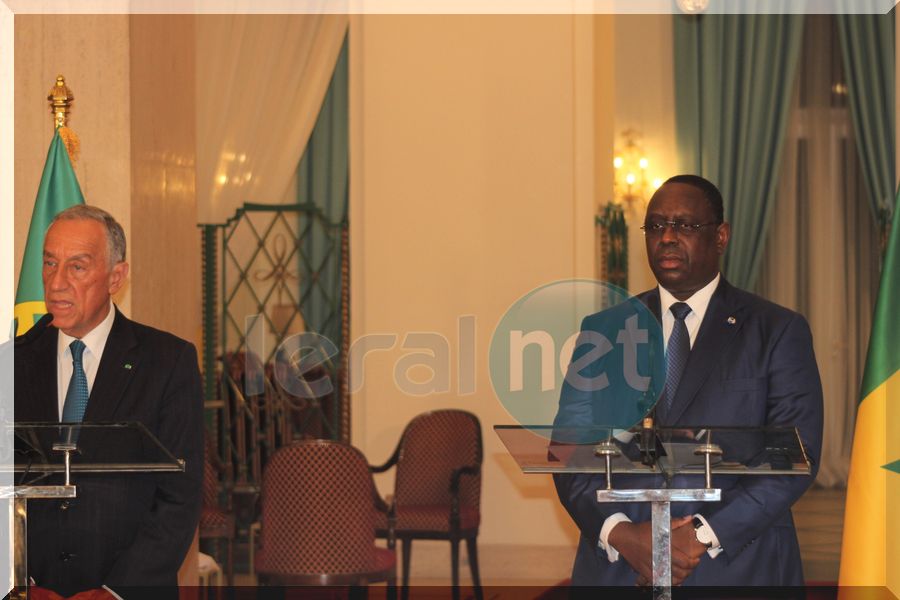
[(634, 543)]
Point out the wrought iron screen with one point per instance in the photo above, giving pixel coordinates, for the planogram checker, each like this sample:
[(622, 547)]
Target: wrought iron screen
[(612, 245), (276, 329)]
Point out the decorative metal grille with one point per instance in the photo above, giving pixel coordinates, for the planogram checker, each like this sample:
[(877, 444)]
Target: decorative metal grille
[(283, 277), (612, 245)]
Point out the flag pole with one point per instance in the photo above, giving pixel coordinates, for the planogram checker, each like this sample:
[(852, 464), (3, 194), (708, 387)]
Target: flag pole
[(57, 191)]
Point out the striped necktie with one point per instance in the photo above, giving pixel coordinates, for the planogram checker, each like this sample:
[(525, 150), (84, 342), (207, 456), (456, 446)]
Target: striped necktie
[(677, 352)]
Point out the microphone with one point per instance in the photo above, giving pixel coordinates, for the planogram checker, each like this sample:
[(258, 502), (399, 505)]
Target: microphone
[(36, 330)]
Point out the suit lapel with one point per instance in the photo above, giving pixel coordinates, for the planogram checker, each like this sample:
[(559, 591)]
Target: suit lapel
[(119, 361), (650, 299), (723, 320), (43, 390)]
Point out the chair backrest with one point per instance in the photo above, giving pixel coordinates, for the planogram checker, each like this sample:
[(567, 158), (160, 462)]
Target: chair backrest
[(432, 446), (318, 514)]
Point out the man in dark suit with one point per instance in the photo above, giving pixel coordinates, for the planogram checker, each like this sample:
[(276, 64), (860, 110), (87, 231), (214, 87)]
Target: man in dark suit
[(744, 361), (123, 531)]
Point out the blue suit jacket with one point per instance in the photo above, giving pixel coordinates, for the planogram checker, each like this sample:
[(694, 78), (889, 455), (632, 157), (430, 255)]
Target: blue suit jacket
[(758, 370)]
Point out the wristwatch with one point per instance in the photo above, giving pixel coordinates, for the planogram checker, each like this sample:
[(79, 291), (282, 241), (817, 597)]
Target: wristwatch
[(703, 532)]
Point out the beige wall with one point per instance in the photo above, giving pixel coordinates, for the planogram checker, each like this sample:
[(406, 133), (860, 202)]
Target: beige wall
[(466, 141), (645, 101), (7, 189), (165, 241), (92, 52)]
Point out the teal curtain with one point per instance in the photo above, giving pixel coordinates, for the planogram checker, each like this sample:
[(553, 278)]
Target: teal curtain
[(734, 77), (322, 185), (867, 45)]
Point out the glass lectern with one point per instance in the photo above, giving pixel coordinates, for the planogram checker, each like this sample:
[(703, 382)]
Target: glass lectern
[(49, 457), (668, 452)]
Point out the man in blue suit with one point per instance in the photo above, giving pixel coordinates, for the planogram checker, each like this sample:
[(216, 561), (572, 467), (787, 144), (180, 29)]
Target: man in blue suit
[(745, 362)]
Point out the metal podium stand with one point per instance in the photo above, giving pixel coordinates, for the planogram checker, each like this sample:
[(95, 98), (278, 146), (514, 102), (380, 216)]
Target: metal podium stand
[(664, 453), (47, 455)]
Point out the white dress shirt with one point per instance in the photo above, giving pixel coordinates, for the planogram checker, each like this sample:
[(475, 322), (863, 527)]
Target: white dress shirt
[(698, 302), (94, 342)]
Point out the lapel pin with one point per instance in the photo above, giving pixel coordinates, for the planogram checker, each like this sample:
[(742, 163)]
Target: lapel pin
[(731, 320), (128, 366)]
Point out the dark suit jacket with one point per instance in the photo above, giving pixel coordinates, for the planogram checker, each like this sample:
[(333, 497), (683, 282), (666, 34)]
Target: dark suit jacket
[(126, 529), (760, 370)]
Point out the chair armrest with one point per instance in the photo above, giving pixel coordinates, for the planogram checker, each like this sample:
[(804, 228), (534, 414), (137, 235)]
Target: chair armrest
[(457, 474), (454, 491), (392, 461), (387, 507), (380, 504)]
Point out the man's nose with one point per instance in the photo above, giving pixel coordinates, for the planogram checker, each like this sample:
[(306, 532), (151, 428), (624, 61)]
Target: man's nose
[(668, 234), (57, 280)]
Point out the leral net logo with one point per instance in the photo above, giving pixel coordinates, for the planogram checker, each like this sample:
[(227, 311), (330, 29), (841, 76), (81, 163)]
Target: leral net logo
[(580, 355)]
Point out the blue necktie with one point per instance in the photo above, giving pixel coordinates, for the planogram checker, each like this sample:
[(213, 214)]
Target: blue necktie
[(677, 353), (77, 394)]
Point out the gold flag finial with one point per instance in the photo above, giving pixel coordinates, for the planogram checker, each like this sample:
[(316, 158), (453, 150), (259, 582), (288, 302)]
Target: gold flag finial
[(60, 99)]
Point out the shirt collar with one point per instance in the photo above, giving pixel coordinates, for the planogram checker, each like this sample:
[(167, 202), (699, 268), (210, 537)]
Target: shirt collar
[(698, 302), (95, 339)]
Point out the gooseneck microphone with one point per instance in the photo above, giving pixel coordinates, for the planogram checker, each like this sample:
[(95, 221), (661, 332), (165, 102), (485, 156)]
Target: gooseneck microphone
[(36, 330)]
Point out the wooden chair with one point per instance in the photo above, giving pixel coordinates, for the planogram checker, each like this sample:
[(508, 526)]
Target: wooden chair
[(216, 522), (318, 519), (437, 490)]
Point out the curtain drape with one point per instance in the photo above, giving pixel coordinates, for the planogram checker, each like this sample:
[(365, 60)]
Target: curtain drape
[(260, 80), (323, 181), (867, 43), (821, 253), (733, 81)]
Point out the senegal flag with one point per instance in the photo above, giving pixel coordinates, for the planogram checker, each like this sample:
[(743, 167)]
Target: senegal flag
[(870, 553), (58, 190)]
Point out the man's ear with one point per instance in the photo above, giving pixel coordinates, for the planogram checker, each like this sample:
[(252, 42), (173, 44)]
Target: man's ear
[(117, 276), (723, 234)]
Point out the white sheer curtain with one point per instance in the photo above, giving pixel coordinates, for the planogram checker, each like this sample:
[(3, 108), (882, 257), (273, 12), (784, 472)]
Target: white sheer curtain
[(821, 255), (260, 83)]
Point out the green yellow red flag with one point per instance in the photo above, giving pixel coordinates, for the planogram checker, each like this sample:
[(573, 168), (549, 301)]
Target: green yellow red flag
[(870, 552), (58, 190)]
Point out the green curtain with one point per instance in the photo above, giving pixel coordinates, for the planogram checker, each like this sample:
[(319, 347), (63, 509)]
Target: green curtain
[(867, 44), (734, 77), (323, 182)]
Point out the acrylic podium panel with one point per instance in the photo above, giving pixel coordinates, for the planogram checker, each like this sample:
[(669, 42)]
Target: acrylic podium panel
[(47, 455), (663, 451), (745, 450), (101, 448)]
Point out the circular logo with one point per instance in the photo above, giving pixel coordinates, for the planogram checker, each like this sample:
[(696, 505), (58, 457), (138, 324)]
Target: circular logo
[(581, 355)]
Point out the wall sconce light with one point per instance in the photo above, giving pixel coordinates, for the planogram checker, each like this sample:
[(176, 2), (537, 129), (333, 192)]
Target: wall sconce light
[(632, 181), (692, 7)]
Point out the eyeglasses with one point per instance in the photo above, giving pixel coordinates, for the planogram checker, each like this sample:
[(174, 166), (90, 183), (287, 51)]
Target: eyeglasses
[(679, 227)]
